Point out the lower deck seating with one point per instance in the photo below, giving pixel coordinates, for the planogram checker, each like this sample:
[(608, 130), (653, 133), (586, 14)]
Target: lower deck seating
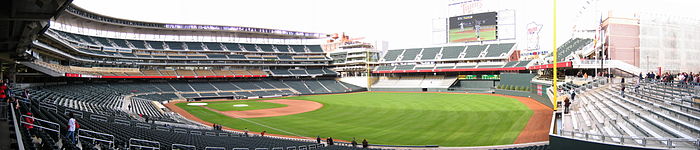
[(604, 110)]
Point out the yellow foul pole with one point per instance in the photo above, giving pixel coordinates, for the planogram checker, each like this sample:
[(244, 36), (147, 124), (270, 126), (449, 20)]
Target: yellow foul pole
[(369, 83), (554, 52)]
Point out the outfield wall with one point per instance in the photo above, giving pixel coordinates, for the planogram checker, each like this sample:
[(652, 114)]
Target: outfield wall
[(410, 89)]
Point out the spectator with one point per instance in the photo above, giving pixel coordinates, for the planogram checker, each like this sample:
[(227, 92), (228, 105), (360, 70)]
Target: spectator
[(26, 94), (364, 143), (573, 95), (567, 103), (146, 117), (353, 143), (622, 91), (71, 128), (636, 85), (622, 81), (329, 140), (30, 123), (36, 141), (245, 131), (318, 139), (3, 94), (640, 75), (263, 133)]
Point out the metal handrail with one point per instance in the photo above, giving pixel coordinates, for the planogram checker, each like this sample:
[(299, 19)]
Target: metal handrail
[(172, 146), (111, 142), (645, 141), (143, 146), (57, 128)]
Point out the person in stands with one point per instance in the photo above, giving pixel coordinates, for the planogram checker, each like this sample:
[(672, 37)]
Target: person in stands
[(567, 103), (318, 139), (72, 125), (30, 123), (622, 91), (364, 143), (329, 140), (263, 133), (353, 143), (245, 131)]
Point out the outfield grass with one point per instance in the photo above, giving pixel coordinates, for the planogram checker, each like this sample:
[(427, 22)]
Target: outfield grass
[(396, 118), (252, 105)]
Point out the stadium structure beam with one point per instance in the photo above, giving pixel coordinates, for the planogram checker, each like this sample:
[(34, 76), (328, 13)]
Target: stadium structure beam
[(554, 51)]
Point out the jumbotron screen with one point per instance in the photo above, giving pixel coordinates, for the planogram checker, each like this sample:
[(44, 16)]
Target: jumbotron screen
[(473, 27)]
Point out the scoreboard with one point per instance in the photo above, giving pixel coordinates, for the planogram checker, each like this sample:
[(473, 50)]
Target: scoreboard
[(473, 27)]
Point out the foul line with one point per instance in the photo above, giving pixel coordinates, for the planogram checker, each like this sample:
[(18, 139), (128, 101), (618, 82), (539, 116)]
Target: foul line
[(268, 126)]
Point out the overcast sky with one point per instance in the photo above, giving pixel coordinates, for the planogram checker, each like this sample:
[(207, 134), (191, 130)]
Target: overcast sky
[(402, 23)]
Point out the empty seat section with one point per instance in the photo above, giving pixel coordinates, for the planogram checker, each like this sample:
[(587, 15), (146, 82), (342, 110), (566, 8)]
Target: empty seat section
[(249, 47), (155, 44), (496, 50), (430, 53), (473, 51), (266, 47), (410, 54), (103, 41), (298, 48), (383, 68), (315, 86), (234, 56), (298, 72), (246, 85), (404, 67), (225, 86), (391, 55), (452, 52), (182, 87), (280, 72), (298, 86), (282, 48), (315, 48), (175, 45), (217, 56), (232, 47), (138, 44), (315, 71), (194, 45), (202, 86), (213, 46)]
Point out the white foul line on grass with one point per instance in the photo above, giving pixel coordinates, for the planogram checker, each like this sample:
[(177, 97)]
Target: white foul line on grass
[(270, 127)]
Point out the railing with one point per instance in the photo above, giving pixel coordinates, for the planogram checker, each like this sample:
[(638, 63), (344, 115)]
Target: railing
[(214, 148), (141, 144), (42, 124), (96, 136), (608, 64), (183, 147), (18, 134), (633, 141)]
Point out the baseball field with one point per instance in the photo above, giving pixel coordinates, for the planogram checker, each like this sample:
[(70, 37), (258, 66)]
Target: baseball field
[(380, 117)]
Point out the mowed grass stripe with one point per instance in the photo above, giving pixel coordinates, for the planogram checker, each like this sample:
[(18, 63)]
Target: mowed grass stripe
[(398, 118)]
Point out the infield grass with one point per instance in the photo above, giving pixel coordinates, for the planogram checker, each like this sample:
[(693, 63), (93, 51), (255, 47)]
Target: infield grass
[(395, 119), (252, 105)]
